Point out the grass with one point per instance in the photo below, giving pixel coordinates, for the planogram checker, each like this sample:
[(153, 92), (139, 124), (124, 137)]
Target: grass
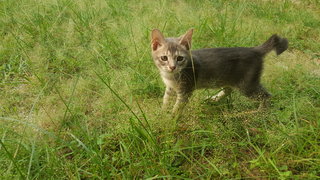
[(81, 97)]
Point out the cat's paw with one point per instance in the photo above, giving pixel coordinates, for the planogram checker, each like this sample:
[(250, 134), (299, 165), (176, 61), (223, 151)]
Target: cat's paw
[(264, 105), (215, 98), (223, 93)]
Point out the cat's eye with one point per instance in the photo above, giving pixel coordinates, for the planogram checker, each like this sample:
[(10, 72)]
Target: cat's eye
[(180, 58), (164, 58)]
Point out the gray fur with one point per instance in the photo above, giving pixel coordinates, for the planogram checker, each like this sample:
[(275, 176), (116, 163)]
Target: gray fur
[(229, 68)]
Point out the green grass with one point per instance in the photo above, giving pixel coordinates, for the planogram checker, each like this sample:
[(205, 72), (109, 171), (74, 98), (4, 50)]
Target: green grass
[(81, 97)]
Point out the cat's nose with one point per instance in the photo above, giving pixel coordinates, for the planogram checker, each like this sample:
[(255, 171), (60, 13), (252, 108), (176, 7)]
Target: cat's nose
[(172, 67)]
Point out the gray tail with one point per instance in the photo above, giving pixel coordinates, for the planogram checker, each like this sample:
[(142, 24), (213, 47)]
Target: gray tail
[(274, 43)]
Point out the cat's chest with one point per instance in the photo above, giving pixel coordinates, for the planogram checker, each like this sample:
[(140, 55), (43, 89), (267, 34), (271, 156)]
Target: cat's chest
[(171, 81)]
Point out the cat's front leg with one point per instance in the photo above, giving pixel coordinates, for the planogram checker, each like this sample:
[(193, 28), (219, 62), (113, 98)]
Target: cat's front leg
[(166, 98), (181, 101)]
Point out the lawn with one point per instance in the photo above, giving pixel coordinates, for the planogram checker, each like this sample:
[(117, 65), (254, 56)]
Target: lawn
[(80, 97)]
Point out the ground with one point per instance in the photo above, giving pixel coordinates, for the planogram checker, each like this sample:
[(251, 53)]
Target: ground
[(81, 97)]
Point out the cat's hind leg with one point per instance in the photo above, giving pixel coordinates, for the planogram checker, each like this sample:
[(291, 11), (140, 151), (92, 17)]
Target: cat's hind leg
[(223, 93), (259, 93)]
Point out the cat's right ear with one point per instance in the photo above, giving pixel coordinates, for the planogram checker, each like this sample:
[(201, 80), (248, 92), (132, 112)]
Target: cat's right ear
[(157, 39)]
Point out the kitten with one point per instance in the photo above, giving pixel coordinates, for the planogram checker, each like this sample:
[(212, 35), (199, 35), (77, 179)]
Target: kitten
[(183, 70)]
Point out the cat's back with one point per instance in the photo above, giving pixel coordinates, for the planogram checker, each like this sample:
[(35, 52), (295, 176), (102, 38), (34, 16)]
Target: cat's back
[(218, 54), (226, 65)]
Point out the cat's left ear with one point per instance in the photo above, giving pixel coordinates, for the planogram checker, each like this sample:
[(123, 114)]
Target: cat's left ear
[(185, 40)]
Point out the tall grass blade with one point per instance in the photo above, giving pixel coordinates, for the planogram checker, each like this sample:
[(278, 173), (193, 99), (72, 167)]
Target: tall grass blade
[(127, 106), (12, 160)]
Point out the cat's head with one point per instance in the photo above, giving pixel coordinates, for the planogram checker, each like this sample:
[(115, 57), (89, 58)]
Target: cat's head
[(171, 55)]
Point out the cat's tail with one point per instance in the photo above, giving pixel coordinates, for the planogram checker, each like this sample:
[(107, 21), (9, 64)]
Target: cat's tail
[(274, 43)]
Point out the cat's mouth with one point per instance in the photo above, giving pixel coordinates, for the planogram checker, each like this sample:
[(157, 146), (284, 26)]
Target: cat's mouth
[(169, 70), (173, 71)]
